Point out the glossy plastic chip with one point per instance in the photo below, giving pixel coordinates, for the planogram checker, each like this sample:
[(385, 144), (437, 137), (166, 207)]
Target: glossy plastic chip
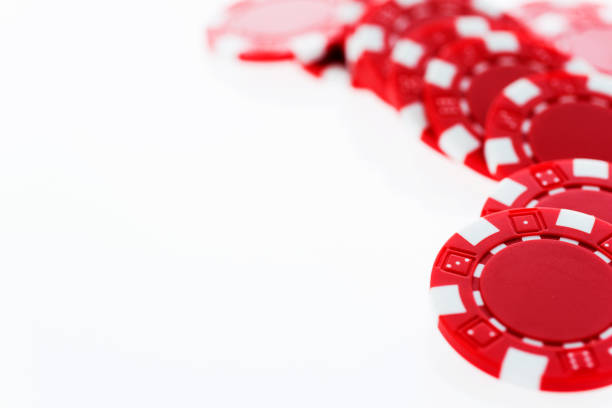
[(525, 295)]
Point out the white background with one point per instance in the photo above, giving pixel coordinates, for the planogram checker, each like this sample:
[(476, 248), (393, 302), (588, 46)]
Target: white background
[(182, 231)]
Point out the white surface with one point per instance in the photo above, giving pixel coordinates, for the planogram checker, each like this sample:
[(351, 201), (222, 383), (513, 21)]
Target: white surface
[(179, 231)]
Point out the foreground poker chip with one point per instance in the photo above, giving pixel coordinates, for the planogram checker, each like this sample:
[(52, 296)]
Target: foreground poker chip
[(549, 117), (282, 29), (583, 185), (580, 30), (463, 80), (368, 46), (526, 296)]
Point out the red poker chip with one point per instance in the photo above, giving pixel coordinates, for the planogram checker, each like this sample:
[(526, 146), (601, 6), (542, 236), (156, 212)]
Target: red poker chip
[(263, 30), (583, 185), (467, 75), (549, 117), (581, 30), (525, 295), (368, 45)]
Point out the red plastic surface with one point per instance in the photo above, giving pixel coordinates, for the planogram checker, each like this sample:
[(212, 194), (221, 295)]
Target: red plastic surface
[(546, 298)]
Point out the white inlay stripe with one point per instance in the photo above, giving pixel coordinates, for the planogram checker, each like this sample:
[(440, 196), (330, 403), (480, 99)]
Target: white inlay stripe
[(440, 73), (574, 345), (532, 342), (521, 91), (447, 300), (407, 53), (478, 231), (569, 241), (531, 238), (508, 191), (478, 270), (497, 324), (501, 41), (556, 191), (499, 151), (470, 26), (600, 83), (603, 257), (478, 298), (606, 334), (367, 37), (591, 168), (576, 220), (498, 248), (523, 368), (457, 143)]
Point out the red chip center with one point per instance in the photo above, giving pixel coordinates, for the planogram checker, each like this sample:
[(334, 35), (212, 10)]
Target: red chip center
[(565, 131), (597, 203), (487, 85), (549, 290), (283, 17)]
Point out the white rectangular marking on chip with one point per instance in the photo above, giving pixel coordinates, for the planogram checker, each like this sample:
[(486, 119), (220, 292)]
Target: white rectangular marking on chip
[(309, 48), (447, 300), (531, 238), (478, 298), (408, 3), (576, 220), (457, 142), (521, 91), (526, 126), (556, 191), (606, 334), (574, 345), (501, 41), (523, 368), (487, 7), (527, 150), (532, 204), (508, 191), (591, 188), (540, 107), (498, 248), (603, 257), (497, 324), (470, 26), (499, 151), (569, 241), (600, 83), (368, 37), (591, 168), (414, 115), (440, 73), (532, 342), (407, 53), (478, 231), (478, 270)]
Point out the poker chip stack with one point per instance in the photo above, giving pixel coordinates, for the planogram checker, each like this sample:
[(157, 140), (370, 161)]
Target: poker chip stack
[(525, 293)]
